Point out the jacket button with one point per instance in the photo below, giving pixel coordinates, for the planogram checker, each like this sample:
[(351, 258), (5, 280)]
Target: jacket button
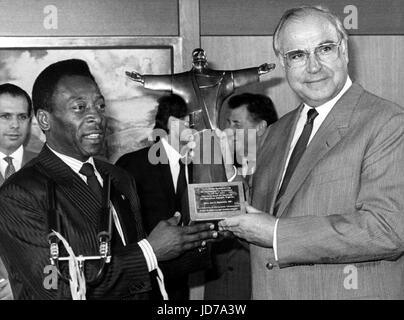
[(269, 266)]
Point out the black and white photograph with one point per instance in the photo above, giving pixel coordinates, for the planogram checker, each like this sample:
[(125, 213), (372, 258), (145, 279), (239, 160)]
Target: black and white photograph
[(119, 118)]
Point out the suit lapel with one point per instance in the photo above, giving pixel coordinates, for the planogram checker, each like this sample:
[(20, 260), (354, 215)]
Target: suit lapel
[(120, 198), (165, 173), (71, 185), (331, 131), (278, 158)]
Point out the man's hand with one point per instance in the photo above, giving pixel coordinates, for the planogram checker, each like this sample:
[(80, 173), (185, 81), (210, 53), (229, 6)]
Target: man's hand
[(256, 227), (169, 240), (5, 290)]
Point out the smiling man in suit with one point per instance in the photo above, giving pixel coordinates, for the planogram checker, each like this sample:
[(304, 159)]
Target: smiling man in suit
[(15, 124), (327, 215), (61, 190)]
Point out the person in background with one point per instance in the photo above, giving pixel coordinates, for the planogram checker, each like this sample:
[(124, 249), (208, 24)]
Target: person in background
[(15, 125), (249, 116), (162, 186)]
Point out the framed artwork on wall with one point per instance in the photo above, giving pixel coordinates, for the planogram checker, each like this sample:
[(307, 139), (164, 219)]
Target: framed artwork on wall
[(130, 107)]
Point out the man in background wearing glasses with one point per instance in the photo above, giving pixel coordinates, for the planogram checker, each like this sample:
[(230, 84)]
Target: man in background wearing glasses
[(327, 215)]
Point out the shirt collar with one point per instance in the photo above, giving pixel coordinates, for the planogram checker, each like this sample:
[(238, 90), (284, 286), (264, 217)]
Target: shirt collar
[(173, 155), (16, 155), (73, 163)]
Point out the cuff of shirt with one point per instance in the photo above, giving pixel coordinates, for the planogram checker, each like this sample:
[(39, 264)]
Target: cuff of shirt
[(275, 242), (148, 253)]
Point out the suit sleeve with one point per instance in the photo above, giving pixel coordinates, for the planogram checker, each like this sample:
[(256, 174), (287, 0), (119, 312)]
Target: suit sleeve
[(374, 229), (23, 239)]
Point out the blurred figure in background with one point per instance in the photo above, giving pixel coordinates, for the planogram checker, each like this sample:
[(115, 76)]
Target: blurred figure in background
[(248, 120), (15, 125)]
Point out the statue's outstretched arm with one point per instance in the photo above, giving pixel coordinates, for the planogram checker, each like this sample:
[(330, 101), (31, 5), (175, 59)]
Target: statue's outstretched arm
[(243, 77), (265, 68), (153, 82), (135, 76)]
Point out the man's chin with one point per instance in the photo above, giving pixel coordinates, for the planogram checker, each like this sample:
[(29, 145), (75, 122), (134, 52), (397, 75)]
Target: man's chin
[(316, 99), (12, 145), (92, 150)]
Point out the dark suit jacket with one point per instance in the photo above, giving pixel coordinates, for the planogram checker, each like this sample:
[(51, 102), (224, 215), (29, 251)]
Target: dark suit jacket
[(157, 199), (27, 156), (23, 230)]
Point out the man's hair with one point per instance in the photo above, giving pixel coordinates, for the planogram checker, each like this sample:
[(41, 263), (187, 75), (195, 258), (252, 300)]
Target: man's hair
[(46, 83), (16, 91), (305, 11), (259, 106), (169, 105)]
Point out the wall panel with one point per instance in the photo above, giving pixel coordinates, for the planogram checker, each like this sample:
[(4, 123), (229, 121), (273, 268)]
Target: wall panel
[(89, 17)]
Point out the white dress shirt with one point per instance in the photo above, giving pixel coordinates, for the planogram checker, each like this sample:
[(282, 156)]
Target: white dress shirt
[(17, 160), (173, 160), (323, 110)]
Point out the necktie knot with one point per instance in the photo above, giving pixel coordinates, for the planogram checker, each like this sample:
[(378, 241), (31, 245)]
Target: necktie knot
[(9, 160), (311, 115), (10, 167), (87, 169)]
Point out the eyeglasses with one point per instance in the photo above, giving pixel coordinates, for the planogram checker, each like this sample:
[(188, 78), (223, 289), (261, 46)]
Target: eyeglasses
[(327, 52)]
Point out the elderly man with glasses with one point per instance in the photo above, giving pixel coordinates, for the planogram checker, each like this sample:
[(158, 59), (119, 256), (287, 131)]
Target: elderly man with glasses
[(327, 215)]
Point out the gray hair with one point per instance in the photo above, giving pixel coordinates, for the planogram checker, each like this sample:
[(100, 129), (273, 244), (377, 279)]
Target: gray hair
[(306, 11)]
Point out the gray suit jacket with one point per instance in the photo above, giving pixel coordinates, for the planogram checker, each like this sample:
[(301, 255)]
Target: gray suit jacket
[(27, 156), (341, 220)]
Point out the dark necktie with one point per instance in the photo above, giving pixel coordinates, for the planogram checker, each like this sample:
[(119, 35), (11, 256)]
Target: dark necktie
[(88, 170), (10, 167), (297, 153), (181, 186)]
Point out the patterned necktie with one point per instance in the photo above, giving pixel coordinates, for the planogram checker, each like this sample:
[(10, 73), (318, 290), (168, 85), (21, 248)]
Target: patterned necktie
[(88, 170), (297, 153), (10, 167)]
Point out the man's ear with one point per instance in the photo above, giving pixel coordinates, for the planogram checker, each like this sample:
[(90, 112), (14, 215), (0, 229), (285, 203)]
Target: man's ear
[(344, 49), (43, 118), (281, 61), (262, 125)]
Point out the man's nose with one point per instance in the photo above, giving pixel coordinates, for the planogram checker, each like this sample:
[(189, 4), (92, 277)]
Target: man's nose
[(313, 64), (14, 123), (95, 115)]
